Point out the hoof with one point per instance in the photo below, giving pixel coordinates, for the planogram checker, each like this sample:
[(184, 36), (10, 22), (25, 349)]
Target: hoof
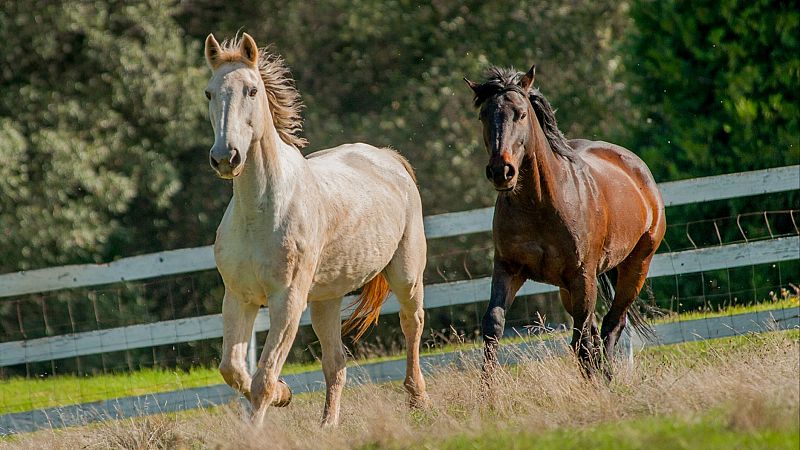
[(421, 401), (283, 395), (329, 423)]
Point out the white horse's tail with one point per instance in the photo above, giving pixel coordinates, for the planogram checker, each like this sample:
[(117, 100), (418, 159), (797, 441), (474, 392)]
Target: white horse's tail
[(404, 162), (368, 307)]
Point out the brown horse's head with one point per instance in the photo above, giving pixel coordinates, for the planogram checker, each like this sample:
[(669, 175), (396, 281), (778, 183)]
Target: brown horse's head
[(506, 114)]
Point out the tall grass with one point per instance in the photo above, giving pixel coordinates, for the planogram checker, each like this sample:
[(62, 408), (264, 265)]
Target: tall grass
[(745, 386), (23, 394)]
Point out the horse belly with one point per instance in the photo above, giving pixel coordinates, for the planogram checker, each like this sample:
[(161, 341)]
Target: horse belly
[(366, 193), (624, 232), (348, 263)]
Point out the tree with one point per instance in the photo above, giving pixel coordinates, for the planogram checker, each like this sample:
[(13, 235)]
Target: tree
[(715, 84), (99, 104)]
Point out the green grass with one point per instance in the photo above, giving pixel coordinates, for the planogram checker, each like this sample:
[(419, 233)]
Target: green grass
[(751, 404), (699, 350), (712, 430), (21, 394), (769, 305)]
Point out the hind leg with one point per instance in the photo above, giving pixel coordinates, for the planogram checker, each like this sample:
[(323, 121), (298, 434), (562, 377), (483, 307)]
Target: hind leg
[(631, 274), (412, 322), (404, 274), (326, 320)]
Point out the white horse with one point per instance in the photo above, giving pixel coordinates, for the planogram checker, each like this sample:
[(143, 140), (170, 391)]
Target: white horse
[(304, 231)]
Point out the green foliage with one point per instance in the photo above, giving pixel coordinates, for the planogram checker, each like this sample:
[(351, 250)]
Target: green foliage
[(714, 89), (98, 103), (390, 73), (715, 84)]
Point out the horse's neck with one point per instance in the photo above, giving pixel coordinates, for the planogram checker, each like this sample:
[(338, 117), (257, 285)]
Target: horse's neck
[(543, 171), (264, 190)]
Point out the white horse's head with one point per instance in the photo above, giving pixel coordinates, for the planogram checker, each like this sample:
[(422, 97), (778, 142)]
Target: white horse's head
[(237, 103)]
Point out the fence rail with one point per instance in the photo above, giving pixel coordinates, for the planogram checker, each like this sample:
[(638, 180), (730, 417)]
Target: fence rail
[(436, 296), (195, 259)]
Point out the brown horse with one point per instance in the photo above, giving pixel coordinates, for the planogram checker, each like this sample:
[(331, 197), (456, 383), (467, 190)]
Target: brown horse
[(567, 211)]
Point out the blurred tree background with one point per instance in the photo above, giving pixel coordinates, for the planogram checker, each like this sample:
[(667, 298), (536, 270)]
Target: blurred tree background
[(103, 113), (104, 135)]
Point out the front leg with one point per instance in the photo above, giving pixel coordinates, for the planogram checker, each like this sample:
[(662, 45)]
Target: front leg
[(285, 309), (506, 281), (585, 337), (238, 318)]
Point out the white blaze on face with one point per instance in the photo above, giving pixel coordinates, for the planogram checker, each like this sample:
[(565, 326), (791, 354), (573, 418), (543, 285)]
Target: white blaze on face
[(221, 127), (236, 115)]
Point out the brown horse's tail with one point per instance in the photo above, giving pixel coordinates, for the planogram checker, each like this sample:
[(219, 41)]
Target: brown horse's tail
[(637, 319), (368, 306)]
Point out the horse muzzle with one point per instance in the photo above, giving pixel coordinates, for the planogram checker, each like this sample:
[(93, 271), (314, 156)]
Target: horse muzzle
[(503, 176), (227, 165)]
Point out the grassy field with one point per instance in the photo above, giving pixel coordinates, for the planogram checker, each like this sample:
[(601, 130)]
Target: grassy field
[(738, 392), (21, 394), (713, 430)]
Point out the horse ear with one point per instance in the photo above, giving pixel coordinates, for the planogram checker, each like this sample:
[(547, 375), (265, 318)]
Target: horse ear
[(472, 85), (249, 50), (527, 80), (212, 51)]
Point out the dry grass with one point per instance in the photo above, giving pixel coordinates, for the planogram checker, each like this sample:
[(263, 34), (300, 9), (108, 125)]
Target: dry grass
[(752, 381)]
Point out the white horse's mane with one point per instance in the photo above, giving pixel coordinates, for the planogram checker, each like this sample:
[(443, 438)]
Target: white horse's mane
[(284, 99)]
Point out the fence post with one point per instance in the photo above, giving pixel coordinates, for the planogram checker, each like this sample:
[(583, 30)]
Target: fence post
[(251, 353), (625, 350)]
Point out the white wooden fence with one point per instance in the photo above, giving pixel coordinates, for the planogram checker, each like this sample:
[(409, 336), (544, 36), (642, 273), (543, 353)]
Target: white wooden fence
[(436, 295), (186, 260)]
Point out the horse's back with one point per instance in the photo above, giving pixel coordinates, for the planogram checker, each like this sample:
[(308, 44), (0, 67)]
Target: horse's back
[(603, 157), (371, 202), (362, 176), (366, 161)]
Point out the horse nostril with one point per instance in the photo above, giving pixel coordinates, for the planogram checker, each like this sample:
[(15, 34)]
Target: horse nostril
[(213, 161), (509, 171), (489, 173), (235, 158)]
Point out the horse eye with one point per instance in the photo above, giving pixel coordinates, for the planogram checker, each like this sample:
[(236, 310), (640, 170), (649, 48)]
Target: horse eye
[(522, 115), (208, 95), (252, 92)]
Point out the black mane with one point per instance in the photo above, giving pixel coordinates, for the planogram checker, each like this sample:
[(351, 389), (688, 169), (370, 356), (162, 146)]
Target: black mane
[(499, 80)]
